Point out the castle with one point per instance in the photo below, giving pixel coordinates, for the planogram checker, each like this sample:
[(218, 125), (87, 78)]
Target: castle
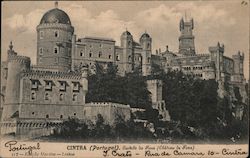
[(36, 97)]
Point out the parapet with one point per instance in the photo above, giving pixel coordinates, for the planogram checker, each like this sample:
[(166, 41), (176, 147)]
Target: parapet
[(52, 74), (106, 104)]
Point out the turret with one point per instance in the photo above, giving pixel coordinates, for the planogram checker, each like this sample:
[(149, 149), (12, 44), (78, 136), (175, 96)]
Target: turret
[(128, 55), (54, 35), (217, 56), (146, 44), (186, 39), (16, 65), (238, 59)]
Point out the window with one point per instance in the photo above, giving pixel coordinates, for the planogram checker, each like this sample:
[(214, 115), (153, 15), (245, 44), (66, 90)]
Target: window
[(148, 59), (33, 113), (48, 85), (100, 45), (61, 116), (118, 58), (129, 58), (47, 116), (110, 56), (148, 46), (76, 86), (62, 85), (61, 97), (81, 53), (33, 96), (90, 55), (74, 98), (74, 114), (34, 84), (56, 50), (46, 96), (56, 34), (129, 43), (41, 51), (41, 34), (100, 54)]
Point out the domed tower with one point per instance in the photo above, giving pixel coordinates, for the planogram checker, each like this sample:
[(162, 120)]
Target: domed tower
[(146, 44), (54, 35), (128, 55)]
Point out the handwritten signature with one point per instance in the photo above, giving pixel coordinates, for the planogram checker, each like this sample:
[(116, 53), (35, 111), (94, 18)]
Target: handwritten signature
[(15, 146)]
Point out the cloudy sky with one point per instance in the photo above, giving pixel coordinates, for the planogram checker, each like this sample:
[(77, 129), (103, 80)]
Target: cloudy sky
[(223, 21)]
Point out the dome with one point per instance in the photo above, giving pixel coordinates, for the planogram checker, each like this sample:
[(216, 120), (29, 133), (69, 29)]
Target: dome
[(55, 16), (126, 33), (145, 35)]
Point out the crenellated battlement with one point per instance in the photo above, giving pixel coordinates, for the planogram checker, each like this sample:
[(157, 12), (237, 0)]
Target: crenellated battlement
[(101, 104), (52, 74)]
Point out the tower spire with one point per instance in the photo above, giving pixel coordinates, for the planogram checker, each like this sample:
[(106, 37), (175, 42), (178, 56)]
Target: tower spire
[(56, 4), (11, 46)]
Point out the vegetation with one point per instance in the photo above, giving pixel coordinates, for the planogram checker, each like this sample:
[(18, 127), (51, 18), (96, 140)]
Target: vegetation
[(197, 113)]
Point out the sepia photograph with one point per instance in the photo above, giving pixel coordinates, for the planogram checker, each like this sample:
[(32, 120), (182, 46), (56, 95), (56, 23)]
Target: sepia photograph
[(124, 78)]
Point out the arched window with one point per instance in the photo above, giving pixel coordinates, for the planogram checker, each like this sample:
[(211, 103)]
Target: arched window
[(46, 96), (41, 51), (56, 50), (118, 58), (61, 97), (74, 98), (61, 116), (81, 53), (41, 34), (47, 116), (90, 55), (56, 34), (100, 54)]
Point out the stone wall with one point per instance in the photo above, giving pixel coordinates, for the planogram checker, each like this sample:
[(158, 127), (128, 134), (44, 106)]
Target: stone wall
[(109, 111)]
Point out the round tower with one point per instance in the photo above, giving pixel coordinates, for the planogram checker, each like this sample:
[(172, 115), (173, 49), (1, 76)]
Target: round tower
[(127, 46), (146, 44), (16, 65), (54, 40)]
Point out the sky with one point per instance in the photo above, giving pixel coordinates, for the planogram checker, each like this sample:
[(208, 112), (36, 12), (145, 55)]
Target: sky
[(226, 22)]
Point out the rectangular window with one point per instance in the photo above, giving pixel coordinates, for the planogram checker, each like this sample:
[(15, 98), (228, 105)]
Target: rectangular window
[(62, 85), (34, 84), (76, 86), (48, 85)]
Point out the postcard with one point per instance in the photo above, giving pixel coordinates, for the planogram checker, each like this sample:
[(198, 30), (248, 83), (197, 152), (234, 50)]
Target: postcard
[(124, 79)]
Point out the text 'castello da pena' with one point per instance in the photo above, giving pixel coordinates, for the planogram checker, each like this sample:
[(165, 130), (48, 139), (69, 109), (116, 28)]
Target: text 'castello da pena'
[(36, 98)]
